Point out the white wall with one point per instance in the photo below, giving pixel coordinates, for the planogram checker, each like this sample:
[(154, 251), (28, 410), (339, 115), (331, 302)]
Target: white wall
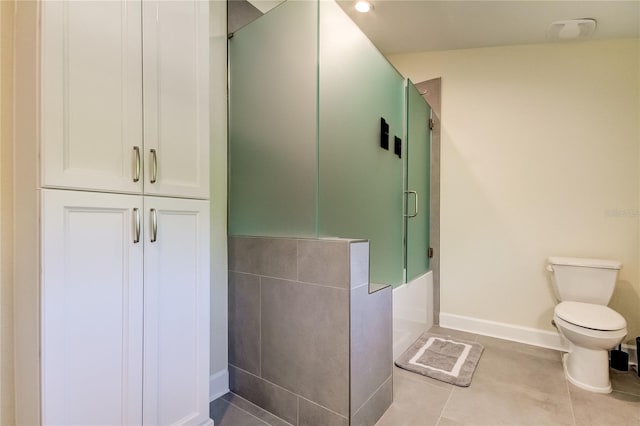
[(219, 383), (6, 223), (539, 158)]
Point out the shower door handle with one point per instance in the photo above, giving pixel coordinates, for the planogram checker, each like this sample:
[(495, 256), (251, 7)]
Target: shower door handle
[(415, 203)]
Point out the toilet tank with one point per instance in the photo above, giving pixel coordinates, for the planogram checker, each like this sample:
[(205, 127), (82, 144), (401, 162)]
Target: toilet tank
[(584, 280)]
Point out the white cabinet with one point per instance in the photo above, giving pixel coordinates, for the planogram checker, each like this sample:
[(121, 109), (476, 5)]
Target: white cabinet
[(116, 268), (176, 94), (94, 105), (92, 292), (176, 301), (91, 91), (112, 325)]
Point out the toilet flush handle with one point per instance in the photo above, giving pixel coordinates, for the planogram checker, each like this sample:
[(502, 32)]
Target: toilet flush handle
[(549, 268)]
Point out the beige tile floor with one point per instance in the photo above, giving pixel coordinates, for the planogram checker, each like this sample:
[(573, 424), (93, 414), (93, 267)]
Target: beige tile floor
[(514, 384)]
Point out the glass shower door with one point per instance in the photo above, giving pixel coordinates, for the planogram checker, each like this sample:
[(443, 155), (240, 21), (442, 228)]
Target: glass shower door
[(417, 194), (360, 182)]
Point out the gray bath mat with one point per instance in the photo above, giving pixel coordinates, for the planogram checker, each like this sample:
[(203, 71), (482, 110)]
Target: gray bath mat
[(442, 358)]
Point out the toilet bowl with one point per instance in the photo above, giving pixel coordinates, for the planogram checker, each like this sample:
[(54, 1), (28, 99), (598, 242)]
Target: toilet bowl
[(584, 288), (586, 365)]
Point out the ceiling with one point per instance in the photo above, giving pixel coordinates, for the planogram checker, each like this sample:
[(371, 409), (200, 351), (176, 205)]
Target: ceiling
[(400, 26), (403, 26)]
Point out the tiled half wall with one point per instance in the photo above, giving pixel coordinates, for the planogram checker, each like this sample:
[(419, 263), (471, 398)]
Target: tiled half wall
[(307, 340)]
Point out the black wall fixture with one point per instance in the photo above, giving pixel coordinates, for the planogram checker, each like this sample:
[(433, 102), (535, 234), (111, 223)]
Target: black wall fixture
[(384, 134), (397, 146)]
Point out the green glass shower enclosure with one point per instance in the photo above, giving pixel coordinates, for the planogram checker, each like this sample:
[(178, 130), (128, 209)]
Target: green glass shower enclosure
[(417, 191), (273, 160), (308, 91), (360, 182)]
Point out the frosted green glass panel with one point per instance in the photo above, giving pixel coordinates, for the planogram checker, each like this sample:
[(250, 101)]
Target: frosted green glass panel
[(273, 127), (418, 161), (360, 188)]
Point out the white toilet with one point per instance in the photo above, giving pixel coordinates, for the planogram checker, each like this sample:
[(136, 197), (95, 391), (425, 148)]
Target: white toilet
[(584, 288)]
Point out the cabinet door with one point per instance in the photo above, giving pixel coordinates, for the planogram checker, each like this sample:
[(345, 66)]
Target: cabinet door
[(176, 312), (176, 94), (91, 95), (91, 309)]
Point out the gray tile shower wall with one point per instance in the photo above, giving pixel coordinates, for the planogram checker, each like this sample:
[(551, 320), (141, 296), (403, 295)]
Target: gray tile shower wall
[(371, 354), (307, 341), (244, 321)]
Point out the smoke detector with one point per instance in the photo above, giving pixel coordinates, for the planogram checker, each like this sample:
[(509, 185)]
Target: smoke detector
[(571, 29)]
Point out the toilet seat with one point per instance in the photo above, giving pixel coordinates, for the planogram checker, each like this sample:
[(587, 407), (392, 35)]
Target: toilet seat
[(567, 327), (591, 316)]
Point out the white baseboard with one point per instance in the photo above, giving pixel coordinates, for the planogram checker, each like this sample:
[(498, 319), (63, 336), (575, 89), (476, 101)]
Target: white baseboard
[(516, 333), (218, 384)]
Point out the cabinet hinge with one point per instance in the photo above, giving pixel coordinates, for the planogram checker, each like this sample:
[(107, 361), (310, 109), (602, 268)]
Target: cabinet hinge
[(430, 252), (431, 124)]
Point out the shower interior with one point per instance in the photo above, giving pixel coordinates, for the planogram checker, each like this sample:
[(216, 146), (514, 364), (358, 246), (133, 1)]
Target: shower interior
[(328, 144)]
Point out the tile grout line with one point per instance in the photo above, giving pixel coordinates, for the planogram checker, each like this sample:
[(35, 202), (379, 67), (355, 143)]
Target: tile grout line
[(321, 406), (244, 273), (345, 286), (257, 407), (264, 380), (333, 286), (445, 405), (245, 411), (373, 394)]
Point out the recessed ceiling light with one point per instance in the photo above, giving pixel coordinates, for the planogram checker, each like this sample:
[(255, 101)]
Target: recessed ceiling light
[(363, 6), (571, 29)]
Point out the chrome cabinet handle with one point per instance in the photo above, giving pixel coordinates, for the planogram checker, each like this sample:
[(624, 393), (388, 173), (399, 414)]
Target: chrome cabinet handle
[(136, 173), (154, 166), (154, 225), (136, 225), (415, 203)]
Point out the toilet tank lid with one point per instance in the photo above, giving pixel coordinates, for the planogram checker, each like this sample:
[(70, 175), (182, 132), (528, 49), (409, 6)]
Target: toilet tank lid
[(587, 263)]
